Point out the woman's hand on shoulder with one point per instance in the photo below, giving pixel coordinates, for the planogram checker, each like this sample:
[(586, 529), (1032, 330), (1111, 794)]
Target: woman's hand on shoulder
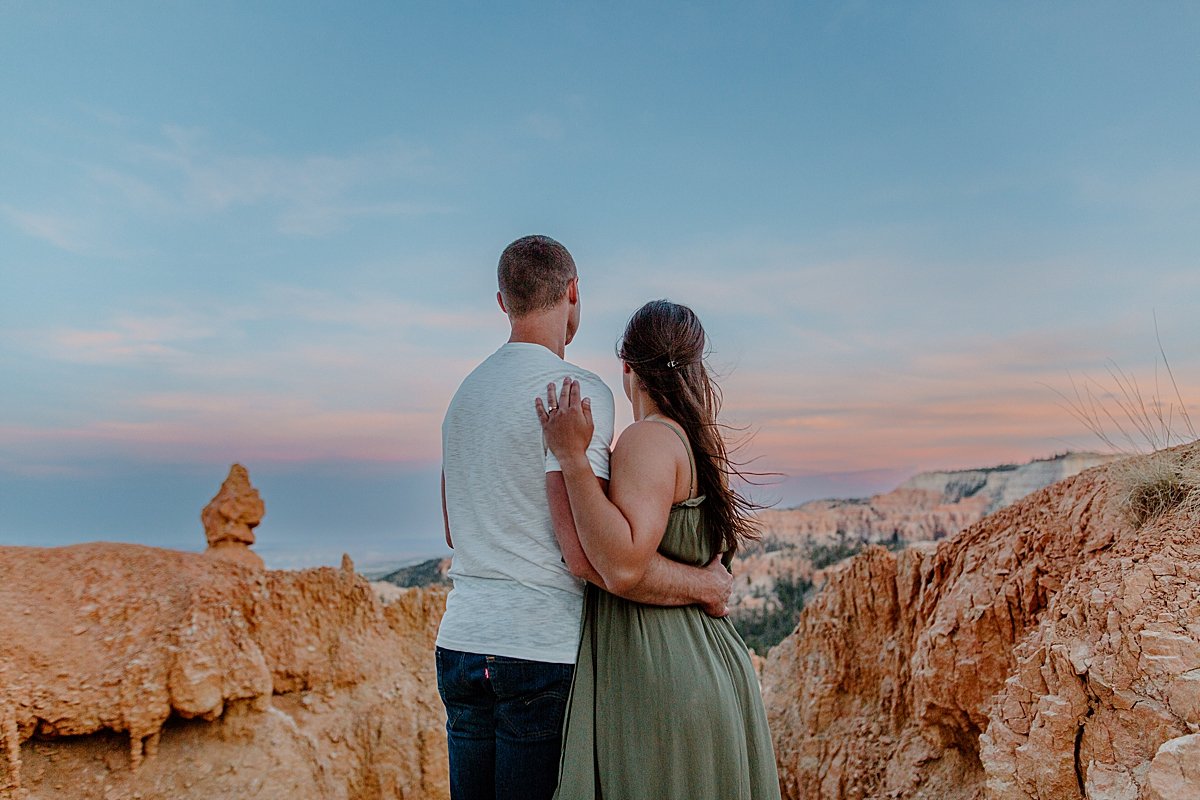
[(566, 419)]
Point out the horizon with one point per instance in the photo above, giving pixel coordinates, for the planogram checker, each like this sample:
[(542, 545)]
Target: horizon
[(268, 235), (374, 558)]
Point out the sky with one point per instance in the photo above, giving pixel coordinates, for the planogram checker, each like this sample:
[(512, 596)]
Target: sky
[(267, 233)]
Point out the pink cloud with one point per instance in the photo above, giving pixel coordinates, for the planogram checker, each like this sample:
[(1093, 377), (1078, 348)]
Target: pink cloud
[(373, 380), (266, 436)]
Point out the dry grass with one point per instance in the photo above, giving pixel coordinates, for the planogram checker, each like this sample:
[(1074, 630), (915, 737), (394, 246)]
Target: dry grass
[(1127, 419), (1149, 486), (1132, 422)]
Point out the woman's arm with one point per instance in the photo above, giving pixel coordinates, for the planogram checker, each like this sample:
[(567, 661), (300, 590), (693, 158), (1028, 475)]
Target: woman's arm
[(620, 537), (665, 582), (564, 529)]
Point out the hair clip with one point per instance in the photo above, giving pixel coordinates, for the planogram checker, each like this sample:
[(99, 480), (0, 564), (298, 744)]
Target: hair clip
[(672, 363)]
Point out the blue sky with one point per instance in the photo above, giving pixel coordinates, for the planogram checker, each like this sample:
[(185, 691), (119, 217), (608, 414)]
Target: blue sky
[(268, 234)]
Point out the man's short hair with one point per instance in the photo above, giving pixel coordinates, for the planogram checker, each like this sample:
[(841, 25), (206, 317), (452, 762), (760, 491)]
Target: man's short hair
[(533, 274)]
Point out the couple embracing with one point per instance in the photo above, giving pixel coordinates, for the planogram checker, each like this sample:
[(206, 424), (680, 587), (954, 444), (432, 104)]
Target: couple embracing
[(585, 651)]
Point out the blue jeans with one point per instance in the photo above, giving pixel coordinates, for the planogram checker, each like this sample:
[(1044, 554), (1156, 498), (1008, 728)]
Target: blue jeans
[(504, 719)]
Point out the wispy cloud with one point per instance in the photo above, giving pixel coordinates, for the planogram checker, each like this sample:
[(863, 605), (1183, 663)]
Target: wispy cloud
[(336, 375), (59, 230), (375, 311), (312, 194), (124, 340), (972, 402), (334, 326), (902, 419), (175, 172), (215, 429)]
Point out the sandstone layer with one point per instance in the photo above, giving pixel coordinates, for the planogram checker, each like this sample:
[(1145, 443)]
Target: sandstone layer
[(1051, 650), (137, 672)]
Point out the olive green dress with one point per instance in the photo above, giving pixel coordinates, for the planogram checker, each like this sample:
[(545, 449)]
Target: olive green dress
[(665, 703)]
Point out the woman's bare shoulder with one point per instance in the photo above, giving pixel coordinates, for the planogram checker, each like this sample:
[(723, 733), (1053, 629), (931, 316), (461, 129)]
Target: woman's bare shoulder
[(649, 444), (643, 464), (644, 431), (643, 438)]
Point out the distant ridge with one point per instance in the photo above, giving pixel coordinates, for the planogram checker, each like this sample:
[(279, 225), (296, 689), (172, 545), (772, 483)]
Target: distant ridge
[(1005, 484), (431, 572), (799, 544)]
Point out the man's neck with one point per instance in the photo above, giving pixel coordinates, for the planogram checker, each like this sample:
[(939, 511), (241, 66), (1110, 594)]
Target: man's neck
[(547, 331)]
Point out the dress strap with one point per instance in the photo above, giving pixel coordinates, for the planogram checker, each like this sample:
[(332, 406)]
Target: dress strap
[(687, 447)]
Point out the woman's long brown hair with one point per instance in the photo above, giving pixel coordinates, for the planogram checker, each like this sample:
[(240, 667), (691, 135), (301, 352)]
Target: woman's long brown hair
[(665, 344)]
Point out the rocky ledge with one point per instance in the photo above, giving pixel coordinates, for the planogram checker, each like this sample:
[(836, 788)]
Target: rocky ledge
[(138, 672), (1051, 650)]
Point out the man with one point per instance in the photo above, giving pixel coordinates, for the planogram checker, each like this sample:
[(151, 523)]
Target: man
[(507, 643)]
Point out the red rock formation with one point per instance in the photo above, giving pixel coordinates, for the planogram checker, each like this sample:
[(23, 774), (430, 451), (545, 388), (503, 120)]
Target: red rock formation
[(1050, 650), (230, 518), (910, 515), (298, 684), (929, 507)]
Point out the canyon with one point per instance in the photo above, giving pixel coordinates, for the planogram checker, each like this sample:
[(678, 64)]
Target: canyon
[(779, 573), (1048, 649)]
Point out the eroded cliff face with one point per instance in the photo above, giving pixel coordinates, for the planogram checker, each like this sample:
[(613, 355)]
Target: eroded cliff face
[(799, 543), (130, 671), (928, 507), (1051, 650), (1004, 485)]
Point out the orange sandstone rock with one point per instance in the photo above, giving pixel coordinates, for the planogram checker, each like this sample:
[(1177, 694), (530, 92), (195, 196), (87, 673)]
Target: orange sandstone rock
[(1048, 651), (230, 518), (1175, 770), (225, 681)]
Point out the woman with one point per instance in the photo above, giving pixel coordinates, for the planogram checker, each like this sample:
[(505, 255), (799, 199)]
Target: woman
[(665, 703)]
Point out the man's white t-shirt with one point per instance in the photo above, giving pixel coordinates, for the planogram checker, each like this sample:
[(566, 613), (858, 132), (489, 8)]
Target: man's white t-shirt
[(513, 595)]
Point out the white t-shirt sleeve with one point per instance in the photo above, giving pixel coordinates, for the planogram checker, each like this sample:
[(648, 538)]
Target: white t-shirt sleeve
[(604, 420)]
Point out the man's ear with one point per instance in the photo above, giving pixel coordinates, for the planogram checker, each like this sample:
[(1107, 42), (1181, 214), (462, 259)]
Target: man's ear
[(573, 290), (500, 300)]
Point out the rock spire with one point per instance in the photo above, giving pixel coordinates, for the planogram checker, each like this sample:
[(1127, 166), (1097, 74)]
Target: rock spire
[(230, 518)]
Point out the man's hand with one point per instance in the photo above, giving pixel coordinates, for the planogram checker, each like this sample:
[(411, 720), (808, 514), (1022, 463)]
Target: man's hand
[(720, 586)]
